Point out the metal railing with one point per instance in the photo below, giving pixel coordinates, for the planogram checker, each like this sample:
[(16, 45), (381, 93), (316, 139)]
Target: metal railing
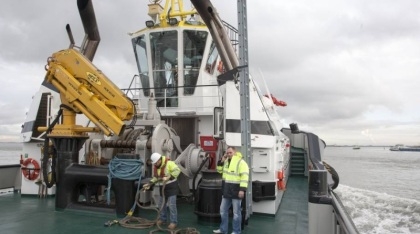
[(169, 104), (346, 224)]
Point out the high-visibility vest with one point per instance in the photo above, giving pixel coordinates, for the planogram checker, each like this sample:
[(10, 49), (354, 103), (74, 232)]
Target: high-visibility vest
[(235, 172), (238, 154), (167, 168)]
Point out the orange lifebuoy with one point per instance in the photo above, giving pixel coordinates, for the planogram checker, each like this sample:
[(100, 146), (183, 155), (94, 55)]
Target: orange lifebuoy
[(30, 173), (280, 182)]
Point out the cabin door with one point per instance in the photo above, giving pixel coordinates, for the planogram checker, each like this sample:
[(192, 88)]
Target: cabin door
[(186, 128)]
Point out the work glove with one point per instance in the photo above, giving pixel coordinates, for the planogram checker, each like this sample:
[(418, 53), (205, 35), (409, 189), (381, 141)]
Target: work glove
[(165, 178), (146, 186)]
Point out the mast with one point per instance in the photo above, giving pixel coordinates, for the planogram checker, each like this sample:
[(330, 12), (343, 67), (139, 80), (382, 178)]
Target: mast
[(244, 97)]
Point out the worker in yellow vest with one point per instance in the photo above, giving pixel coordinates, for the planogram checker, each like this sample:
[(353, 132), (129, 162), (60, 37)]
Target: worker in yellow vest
[(235, 174), (166, 171)]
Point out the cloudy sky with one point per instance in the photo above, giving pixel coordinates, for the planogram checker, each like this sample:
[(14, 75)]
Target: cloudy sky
[(348, 70)]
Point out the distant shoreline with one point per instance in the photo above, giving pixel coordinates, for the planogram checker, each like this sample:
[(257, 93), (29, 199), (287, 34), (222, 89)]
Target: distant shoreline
[(364, 146)]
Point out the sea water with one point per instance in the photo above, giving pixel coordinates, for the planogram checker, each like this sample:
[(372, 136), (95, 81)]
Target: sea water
[(380, 188)]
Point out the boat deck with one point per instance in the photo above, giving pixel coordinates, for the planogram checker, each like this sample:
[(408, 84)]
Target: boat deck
[(29, 214)]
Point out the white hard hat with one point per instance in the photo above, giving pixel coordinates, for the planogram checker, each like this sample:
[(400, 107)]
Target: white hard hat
[(155, 157)]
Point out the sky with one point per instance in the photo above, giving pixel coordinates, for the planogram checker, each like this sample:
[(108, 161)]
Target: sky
[(346, 69)]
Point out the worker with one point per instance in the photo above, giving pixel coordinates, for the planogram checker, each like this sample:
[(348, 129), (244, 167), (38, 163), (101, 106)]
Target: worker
[(165, 171), (235, 174)]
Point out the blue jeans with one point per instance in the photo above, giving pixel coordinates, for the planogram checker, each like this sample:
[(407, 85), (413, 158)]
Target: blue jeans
[(224, 214), (173, 213)]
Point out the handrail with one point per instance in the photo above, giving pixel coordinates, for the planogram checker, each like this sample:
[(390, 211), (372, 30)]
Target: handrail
[(343, 218), (196, 103), (321, 194), (345, 223)]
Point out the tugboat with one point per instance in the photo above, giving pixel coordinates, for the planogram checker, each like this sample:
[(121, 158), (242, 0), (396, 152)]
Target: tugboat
[(87, 143), (401, 147)]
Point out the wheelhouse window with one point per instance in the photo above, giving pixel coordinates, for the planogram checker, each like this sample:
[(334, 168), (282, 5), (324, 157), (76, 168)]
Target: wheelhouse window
[(139, 46), (194, 44), (211, 61), (164, 50)]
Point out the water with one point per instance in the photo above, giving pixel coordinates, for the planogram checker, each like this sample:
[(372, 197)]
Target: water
[(380, 188), (379, 169), (10, 153)]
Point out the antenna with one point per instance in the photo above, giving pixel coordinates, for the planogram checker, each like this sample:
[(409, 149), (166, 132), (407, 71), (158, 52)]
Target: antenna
[(71, 38)]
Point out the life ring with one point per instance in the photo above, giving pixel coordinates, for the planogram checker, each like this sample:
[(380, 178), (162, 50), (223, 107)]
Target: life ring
[(280, 181), (30, 173)]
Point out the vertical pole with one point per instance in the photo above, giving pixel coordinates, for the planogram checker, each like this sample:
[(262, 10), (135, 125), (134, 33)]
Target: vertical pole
[(244, 97)]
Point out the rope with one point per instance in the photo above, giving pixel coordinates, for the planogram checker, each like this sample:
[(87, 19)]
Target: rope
[(130, 169), (131, 221), (125, 169), (92, 158)]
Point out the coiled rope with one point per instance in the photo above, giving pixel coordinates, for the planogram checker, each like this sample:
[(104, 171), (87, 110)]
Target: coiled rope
[(125, 169), (131, 221), (130, 169)]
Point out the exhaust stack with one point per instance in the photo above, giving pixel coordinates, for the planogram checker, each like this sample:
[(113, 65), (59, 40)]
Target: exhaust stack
[(213, 21), (92, 38)]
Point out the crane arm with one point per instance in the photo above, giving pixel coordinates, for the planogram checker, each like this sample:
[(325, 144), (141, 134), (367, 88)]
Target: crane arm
[(85, 89)]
